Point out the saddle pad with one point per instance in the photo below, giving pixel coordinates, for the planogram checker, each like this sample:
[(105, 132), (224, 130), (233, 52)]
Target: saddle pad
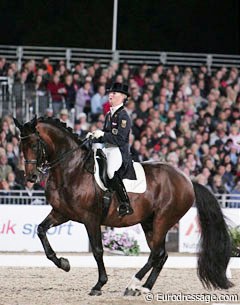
[(133, 186)]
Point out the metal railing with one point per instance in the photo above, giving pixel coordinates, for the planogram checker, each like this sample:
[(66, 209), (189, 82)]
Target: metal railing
[(23, 102), (72, 56), (38, 198), (228, 200), (24, 197)]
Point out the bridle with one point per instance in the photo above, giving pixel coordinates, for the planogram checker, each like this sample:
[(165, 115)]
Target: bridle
[(42, 164), (41, 154)]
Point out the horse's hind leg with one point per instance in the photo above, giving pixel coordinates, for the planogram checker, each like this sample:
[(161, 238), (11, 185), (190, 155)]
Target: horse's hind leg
[(134, 287), (52, 220), (156, 241), (158, 260), (159, 254)]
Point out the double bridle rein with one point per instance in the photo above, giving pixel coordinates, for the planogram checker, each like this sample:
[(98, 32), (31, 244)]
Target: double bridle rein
[(42, 164)]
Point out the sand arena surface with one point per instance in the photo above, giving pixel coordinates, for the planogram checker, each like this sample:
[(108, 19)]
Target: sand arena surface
[(52, 286)]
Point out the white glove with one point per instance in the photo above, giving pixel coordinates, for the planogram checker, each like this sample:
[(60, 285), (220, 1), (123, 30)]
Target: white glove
[(89, 134), (98, 133)]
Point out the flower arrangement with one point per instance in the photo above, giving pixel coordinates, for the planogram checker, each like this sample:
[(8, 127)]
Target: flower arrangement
[(121, 242)]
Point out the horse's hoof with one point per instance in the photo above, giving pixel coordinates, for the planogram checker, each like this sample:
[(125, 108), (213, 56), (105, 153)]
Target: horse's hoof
[(145, 290), (131, 292), (95, 292), (64, 264)]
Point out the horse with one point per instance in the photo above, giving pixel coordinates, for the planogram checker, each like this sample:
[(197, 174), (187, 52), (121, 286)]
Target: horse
[(74, 195)]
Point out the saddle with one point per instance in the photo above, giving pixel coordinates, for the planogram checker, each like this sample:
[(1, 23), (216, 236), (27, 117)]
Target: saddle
[(134, 186)]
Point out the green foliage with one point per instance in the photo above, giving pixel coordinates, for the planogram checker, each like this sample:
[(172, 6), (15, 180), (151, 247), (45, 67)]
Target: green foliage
[(235, 236)]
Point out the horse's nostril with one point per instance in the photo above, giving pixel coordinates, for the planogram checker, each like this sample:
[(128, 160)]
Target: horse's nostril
[(32, 178)]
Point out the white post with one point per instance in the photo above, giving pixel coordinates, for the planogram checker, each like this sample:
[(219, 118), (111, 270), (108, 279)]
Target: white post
[(114, 30)]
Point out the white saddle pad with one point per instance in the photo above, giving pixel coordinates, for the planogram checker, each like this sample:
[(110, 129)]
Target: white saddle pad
[(133, 186)]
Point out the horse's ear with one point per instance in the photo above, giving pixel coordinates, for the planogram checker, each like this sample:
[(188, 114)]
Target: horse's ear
[(18, 124), (34, 121)]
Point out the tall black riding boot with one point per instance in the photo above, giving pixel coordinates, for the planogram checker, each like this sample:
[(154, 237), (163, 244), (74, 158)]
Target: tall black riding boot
[(124, 207)]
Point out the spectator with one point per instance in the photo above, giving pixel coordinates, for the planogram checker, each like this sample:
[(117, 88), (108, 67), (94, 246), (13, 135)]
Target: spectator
[(201, 179), (13, 185), (19, 170), (172, 158), (82, 117), (142, 111), (78, 129), (218, 186), (235, 136), (235, 191), (4, 192), (15, 143), (140, 77), (70, 93), (228, 178), (7, 129), (40, 86), (57, 91), (30, 194), (83, 99), (12, 158), (5, 168), (64, 118), (3, 139), (97, 102), (49, 67), (49, 112), (2, 66), (30, 66)]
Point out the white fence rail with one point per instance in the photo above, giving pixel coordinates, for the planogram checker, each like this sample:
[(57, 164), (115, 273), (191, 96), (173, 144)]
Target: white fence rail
[(24, 197), (73, 55), (38, 198)]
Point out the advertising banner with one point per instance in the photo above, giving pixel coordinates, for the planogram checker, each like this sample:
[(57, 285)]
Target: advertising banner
[(190, 230), (18, 231)]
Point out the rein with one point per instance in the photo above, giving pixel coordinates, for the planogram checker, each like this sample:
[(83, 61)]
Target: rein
[(43, 166), (66, 154)]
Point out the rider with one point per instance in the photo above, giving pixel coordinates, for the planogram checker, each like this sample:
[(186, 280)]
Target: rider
[(115, 136)]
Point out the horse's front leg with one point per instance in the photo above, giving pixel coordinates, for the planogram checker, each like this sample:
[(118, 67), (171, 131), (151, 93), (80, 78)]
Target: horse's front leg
[(52, 220), (95, 238)]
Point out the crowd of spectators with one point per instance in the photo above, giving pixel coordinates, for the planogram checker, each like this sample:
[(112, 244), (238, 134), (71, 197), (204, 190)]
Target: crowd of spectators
[(185, 116)]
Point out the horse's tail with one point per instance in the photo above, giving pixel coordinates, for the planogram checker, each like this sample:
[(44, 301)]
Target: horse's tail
[(215, 244)]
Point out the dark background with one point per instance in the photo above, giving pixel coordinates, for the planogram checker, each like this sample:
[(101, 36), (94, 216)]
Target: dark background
[(209, 26)]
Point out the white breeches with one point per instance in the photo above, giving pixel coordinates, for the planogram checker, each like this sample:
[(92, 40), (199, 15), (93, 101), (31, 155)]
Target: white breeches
[(114, 160)]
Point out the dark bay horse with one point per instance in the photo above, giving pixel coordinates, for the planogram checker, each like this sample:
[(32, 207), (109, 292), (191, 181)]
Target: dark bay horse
[(73, 194)]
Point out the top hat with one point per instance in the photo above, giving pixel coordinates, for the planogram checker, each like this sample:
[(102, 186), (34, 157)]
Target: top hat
[(118, 87)]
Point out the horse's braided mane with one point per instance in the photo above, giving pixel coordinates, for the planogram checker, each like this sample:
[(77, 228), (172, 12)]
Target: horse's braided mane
[(63, 126)]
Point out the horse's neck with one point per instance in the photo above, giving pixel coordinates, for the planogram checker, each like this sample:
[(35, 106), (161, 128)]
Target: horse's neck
[(62, 151), (57, 143)]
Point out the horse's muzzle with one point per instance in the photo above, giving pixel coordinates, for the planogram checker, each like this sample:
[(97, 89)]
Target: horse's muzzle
[(32, 178)]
